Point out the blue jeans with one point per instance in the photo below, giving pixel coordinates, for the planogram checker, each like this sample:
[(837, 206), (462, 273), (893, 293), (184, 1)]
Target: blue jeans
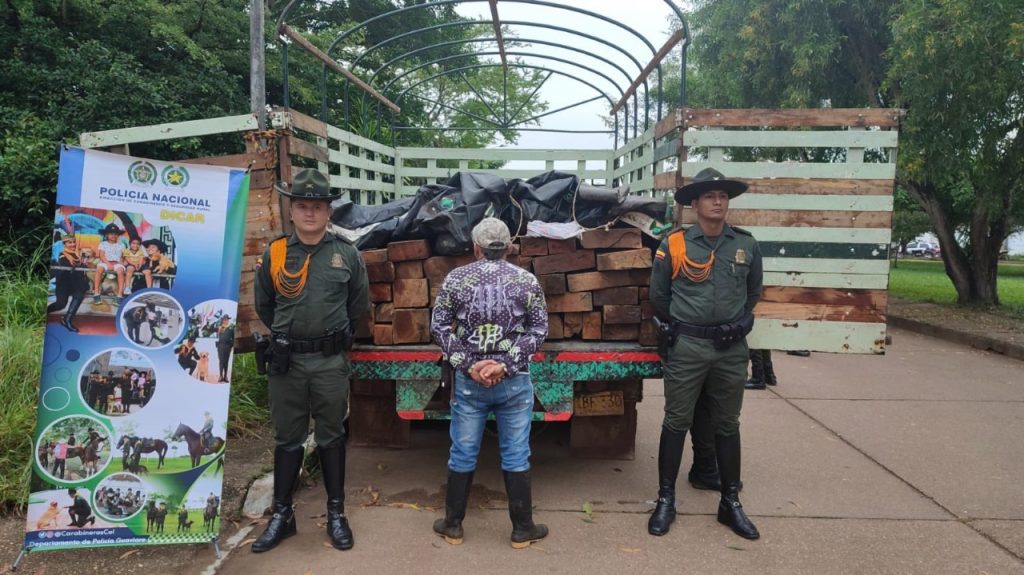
[(512, 404)]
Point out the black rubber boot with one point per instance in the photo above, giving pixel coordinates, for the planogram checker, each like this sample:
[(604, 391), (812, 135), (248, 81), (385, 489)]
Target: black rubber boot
[(769, 369), (704, 473), (455, 501), (332, 465), (730, 511), (756, 380), (520, 510), (799, 353), (670, 455), (287, 464), (76, 302)]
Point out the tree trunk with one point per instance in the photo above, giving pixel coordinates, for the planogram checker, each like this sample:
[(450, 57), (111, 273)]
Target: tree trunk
[(957, 264)]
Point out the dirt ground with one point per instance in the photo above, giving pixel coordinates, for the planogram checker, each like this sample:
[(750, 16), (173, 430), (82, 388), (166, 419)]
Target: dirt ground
[(245, 460)]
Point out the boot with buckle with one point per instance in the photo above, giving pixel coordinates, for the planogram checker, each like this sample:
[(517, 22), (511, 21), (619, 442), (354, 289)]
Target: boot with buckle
[(332, 462), (520, 510), (730, 511), (287, 464), (670, 455), (455, 501)]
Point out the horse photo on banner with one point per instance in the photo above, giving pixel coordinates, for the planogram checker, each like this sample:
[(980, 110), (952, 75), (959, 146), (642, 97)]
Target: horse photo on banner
[(133, 397)]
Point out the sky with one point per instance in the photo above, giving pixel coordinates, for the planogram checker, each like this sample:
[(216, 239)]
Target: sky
[(648, 17)]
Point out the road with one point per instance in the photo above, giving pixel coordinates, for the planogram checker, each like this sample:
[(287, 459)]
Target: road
[(907, 463)]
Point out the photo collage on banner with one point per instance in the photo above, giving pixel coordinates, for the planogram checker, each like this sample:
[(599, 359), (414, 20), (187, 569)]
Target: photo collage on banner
[(140, 327)]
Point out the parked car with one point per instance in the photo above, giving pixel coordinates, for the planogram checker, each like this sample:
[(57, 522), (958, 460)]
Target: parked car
[(922, 249)]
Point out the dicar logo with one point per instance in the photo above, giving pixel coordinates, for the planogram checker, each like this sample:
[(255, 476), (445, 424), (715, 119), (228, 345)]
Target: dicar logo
[(174, 176), (142, 172)]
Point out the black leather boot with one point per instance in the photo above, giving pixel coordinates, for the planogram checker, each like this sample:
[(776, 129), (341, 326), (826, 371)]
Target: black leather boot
[(670, 455), (756, 380), (704, 473), (730, 511), (332, 465), (455, 501), (520, 510), (76, 302), (769, 369), (287, 464)]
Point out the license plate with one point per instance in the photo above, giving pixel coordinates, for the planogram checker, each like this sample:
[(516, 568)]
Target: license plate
[(602, 403)]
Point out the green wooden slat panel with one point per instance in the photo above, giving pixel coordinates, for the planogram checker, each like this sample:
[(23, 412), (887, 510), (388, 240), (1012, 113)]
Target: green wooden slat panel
[(635, 143), (351, 161), (827, 235), (641, 162), (669, 149), (813, 202), (501, 154), (821, 250), (191, 128), (827, 280), (826, 266), (827, 336), (359, 141), (794, 170), (507, 174), (792, 139), (346, 183)]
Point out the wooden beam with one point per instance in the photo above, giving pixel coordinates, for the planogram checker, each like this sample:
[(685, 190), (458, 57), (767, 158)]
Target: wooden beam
[(658, 57), (331, 63), (497, 32), (793, 118)]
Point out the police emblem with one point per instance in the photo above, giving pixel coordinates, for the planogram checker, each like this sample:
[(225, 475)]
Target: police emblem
[(337, 262), (741, 256)]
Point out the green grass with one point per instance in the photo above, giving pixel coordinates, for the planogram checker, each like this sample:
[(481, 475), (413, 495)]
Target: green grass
[(926, 280)]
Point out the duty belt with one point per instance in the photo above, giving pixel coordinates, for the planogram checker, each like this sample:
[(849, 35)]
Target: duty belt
[(701, 331), (311, 345)]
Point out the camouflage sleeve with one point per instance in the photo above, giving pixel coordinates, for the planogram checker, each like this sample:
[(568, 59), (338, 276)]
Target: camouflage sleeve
[(442, 325), (536, 329)]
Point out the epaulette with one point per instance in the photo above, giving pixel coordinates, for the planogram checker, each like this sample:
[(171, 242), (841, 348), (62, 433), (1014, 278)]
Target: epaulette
[(741, 230)]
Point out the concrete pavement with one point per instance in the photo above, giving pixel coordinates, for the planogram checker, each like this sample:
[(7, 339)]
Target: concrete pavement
[(907, 463)]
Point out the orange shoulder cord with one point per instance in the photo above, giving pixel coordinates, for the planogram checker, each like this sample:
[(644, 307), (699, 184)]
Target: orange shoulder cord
[(286, 283), (694, 271)]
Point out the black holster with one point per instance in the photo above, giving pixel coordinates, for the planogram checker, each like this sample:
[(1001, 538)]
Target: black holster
[(262, 353), (733, 332), (280, 355), (666, 338)]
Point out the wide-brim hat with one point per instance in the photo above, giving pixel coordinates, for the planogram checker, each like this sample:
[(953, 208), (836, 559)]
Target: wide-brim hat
[(308, 184), (160, 245), (707, 180), (111, 229)]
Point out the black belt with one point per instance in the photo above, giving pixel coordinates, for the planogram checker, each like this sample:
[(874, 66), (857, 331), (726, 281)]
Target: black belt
[(701, 331), (311, 345)]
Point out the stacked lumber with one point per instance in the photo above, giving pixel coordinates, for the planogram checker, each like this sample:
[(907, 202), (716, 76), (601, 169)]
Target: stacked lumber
[(596, 287)]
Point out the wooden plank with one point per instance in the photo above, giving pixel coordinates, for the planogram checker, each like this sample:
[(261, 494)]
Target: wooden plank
[(818, 312), (620, 314), (570, 302), (670, 122), (501, 154), (876, 299), (824, 250), (837, 266), (306, 123), (625, 260), (792, 138), (572, 324), (796, 218), (170, 131), (383, 334), (808, 202), (409, 270), (410, 293), (828, 336), (620, 332), (578, 260), (529, 246), (797, 279), (624, 238), (384, 312), (374, 256), (592, 325), (792, 118), (626, 295), (408, 250), (553, 284), (380, 292), (793, 170), (555, 327), (249, 160), (818, 186), (349, 161), (668, 181), (875, 236), (588, 281), (648, 333), (359, 141), (561, 246), (300, 147), (382, 272), (411, 326), (437, 267)]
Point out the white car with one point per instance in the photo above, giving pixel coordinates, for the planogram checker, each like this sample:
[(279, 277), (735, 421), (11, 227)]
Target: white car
[(921, 249)]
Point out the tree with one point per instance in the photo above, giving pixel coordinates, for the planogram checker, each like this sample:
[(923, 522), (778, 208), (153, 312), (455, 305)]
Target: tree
[(909, 220), (955, 65)]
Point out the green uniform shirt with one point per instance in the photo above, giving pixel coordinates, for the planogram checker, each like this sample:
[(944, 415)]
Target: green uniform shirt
[(732, 289), (336, 292)]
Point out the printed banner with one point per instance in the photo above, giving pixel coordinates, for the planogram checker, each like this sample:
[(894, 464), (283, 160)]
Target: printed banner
[(133, 402)]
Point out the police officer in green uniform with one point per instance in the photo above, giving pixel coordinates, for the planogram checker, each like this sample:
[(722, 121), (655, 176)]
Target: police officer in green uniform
[(704, 285), (311, 290)]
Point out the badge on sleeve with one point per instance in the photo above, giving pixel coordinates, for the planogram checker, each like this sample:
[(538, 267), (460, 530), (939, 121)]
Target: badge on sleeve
[(337, 261), (741, 256)]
